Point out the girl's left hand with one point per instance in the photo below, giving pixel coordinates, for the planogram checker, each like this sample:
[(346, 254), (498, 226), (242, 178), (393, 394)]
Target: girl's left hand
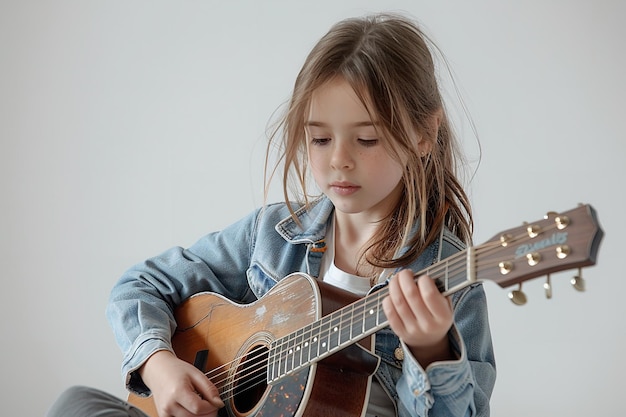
[(420, 315)]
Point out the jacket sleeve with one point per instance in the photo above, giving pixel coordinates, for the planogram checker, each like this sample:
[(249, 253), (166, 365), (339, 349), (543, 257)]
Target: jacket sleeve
[(460, 387), (142, 303)]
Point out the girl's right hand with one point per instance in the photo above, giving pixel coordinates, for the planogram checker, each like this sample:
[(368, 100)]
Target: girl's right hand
[(178, 388)]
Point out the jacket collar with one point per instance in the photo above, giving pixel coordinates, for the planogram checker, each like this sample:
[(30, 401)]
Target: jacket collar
[(313, 219)]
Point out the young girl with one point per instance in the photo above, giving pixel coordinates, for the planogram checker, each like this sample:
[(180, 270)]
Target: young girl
[(367, 122)]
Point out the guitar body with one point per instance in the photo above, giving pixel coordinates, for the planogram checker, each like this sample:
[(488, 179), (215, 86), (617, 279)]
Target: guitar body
[(230, 342)]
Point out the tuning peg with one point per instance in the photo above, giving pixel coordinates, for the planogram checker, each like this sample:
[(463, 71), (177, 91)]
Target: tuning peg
[(550, 214), (578, 282), (548, 287), (517, 296)]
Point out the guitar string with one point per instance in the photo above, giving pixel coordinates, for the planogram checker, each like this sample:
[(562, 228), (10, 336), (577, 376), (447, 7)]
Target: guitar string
[(452, 265)]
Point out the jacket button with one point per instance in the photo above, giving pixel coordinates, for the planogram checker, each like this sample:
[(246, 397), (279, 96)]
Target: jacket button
[(398, 353), (416, 392)]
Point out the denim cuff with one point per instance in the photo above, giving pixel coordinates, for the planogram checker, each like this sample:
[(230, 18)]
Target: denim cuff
[(418, 387), (140, 352)]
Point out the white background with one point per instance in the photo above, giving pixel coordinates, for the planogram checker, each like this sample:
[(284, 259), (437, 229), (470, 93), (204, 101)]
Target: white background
[(128, 127)]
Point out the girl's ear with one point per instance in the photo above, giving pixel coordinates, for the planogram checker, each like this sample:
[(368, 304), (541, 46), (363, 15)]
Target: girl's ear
[(425, 143), (424, 146)]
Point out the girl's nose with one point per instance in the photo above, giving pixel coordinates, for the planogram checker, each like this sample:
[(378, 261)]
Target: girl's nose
[(341, 157)]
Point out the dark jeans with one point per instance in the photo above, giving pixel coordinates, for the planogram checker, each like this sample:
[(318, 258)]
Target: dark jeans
[(81, 401)]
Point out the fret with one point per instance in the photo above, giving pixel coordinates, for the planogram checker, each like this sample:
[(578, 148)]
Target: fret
[(362, 314), (348, 325), (372, 307), (307, 336), (380, 313), (271, 368), (281, 359), (345, 327), (315, 346), (335, 326), (277, 359), (355, 324), (288, 355), (297, 349), (324, 336)]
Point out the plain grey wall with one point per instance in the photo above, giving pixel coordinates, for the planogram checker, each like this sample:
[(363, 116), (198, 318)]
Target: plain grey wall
[(128, 127)]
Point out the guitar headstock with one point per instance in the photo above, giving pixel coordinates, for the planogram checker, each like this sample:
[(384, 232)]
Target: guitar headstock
[(559, 241)]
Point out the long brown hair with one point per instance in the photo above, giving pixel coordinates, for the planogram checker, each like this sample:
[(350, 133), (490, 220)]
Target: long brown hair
[(387, 61)]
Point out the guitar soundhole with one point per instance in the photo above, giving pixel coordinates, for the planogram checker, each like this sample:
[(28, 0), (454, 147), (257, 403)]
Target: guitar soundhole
[(250, 382)]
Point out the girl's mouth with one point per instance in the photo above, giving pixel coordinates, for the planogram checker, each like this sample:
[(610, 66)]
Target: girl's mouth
[(344, 188)]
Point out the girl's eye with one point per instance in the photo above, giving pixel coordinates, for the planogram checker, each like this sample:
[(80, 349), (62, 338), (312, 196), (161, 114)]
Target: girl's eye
[(320, 141), (368, 142)]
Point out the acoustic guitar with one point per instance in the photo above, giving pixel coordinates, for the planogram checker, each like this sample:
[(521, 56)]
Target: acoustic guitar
[(306, 348)]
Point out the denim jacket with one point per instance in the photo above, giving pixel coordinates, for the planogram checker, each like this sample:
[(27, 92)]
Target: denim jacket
[(243, 261)]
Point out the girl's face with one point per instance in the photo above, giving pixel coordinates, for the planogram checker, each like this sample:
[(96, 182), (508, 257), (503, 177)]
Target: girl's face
[(348, 158)]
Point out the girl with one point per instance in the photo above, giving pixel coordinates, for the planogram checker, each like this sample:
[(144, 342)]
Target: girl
[(367, 122)]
